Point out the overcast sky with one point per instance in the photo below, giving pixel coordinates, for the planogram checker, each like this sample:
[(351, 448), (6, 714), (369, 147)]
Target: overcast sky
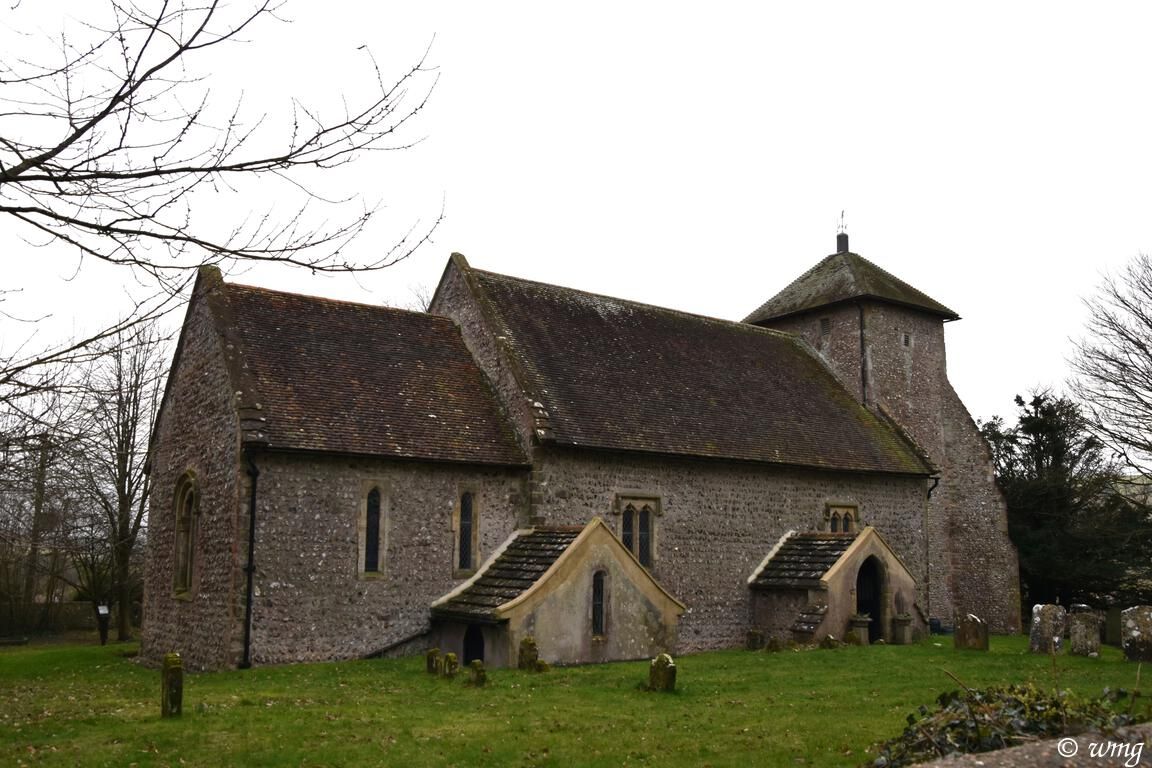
[(698, 156)]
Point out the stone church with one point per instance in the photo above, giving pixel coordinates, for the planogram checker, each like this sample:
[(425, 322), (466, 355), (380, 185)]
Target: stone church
[(336, 480)]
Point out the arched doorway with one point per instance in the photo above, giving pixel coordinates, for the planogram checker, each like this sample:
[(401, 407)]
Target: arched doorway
[(473, 644), (870, 596)]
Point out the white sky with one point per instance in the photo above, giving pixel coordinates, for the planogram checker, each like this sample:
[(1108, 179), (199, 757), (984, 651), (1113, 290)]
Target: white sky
[(697, 156)]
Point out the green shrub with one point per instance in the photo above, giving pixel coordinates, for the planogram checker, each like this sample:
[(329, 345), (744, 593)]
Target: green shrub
[(997, 717)]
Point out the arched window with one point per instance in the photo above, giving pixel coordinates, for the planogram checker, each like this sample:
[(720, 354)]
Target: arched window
[(598, 599), (187, 508), (638, 529), (467, 533), (372, 532), (849, 524), (628, 528), (834, 525), (644, 544)]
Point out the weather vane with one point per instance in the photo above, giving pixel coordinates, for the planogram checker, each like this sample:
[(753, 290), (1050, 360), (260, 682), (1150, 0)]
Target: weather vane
[(841, 229)]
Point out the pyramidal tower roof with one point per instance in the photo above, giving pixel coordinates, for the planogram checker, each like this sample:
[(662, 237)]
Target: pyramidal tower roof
[(845, 276)]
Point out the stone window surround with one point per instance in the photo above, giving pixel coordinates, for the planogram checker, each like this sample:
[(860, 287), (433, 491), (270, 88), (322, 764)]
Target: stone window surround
[(839, 511), (638, 498), (185, 533), (457, 572), (602, 619), (366, 487)]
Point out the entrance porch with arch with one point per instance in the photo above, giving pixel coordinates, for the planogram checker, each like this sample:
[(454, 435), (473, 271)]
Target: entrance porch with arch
[(815, 584)]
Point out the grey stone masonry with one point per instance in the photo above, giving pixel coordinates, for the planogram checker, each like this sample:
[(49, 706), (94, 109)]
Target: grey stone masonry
[(1047, 633), (1136, 627), (717, 520), (894, 359)]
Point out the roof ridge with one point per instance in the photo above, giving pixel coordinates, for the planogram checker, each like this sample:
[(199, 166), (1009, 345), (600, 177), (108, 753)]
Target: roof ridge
[(325, 299), (738, 324)]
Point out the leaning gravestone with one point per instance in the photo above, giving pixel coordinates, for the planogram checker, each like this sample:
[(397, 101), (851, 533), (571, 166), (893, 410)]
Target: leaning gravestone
[(971, 634), (432, 661), (172, 686), (477, 675), (450, 666), (529, 654), (662, 674), (1083, 633), (1136, 626), (1047, 635)]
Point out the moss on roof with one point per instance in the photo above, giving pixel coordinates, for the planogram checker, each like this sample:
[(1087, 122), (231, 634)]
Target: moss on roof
[(615, 374), (843, 277)]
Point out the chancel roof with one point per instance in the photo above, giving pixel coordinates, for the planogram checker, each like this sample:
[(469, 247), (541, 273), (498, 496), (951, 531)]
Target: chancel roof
[(801, 560), (613, 374), (842, 277), (334, 376)]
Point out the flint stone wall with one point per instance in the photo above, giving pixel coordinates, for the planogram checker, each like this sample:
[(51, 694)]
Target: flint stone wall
[(974, 566), (312, 603), (718, 520), (198, 432)]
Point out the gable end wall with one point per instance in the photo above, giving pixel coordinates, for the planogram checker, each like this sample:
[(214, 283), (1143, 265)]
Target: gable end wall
[(197, 432)]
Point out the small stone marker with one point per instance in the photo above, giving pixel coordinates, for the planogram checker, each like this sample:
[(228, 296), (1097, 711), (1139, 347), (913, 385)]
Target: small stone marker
[(1047, 634), (529, 654), (1083, 633), (477, 675), (172, 686), (1136, 627), (971, 634), (432, 661), (662, 674), (829, 642), (450, 666), (754, 641), (774, 645)]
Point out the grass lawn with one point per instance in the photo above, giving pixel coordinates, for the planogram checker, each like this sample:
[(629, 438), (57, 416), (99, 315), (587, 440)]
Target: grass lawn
[(86, 705)]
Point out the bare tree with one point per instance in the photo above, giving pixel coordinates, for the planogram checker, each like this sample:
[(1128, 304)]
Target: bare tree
[(1113, 364), (122, 391), (110, 144)]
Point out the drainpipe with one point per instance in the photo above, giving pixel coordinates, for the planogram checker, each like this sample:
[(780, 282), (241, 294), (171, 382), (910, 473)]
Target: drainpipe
[(250, 567)]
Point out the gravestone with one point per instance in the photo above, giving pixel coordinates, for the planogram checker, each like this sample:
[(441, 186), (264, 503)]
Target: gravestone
[(172, 686), (1083, 633), (754, 640), (477, 675), (529, 654), (432, 661), (662, 674), (971, 634), (1047, 634), (1136, 625), (450, 666)]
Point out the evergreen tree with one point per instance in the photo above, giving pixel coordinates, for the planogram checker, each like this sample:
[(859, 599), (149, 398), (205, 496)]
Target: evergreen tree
[(1082, 528)]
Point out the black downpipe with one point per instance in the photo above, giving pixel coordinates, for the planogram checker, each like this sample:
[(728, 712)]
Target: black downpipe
[(250, 568), (935, 482)]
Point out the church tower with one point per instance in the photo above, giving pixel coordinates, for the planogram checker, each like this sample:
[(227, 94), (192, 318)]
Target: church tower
[(885, 341)]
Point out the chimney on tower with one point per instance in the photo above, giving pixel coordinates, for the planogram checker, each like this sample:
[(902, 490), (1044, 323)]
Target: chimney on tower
[(842, 242)]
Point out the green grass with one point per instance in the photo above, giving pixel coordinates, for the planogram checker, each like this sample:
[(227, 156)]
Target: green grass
[(86, 705)]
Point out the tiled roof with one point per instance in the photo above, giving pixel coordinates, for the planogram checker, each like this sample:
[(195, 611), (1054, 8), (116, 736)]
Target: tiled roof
[(516, 569), (842, 277), (333, 376), (619, 375), (802, 560)]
